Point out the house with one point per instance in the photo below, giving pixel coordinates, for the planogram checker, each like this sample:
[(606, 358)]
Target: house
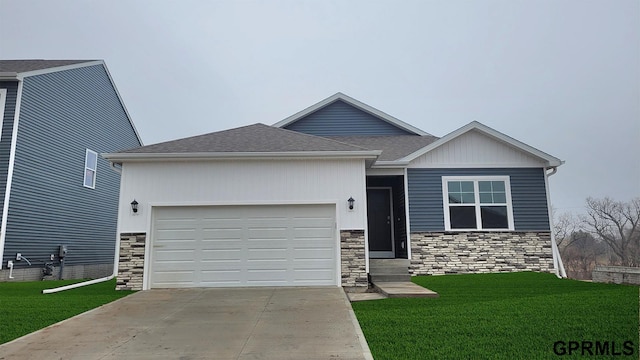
[(313, 199), (58, 197)]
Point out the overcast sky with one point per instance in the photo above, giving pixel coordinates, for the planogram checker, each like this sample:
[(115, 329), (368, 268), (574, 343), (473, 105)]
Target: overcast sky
[(561, 76)]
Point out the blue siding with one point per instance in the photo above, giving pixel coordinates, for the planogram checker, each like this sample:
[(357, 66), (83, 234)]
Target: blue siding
[(528, 196), (61, 115), (7, 130), (340, 118)]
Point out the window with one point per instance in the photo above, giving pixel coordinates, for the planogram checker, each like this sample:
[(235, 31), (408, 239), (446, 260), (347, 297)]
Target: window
[(90, 168), (477, 203)]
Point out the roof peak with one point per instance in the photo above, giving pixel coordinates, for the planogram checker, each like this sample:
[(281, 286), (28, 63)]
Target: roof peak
[(339, 96)]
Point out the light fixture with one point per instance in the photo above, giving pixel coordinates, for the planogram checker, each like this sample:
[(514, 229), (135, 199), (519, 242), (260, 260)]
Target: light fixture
[(134, 206), (351, 201)]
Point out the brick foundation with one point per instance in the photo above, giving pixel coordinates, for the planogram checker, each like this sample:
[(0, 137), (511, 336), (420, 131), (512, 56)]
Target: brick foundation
[(480, 252), (131, 265), (354, 271)]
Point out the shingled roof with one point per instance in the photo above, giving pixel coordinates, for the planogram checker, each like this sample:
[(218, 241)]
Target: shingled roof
[(256, 138), (393, 147), (19, 66)]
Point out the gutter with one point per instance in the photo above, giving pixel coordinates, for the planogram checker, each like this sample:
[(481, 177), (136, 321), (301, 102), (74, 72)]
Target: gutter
[(8, 75), (203, 156)]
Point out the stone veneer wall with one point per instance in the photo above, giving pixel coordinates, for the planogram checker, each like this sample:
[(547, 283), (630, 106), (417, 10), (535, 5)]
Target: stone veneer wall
[(616, 275), (480, 252), (352, 255), (131, 265)]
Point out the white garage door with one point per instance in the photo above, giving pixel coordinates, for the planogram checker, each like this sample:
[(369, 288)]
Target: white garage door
[(218, 246)]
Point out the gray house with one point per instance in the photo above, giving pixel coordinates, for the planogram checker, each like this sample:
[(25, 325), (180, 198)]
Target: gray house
[(58, 197), (326, 197)]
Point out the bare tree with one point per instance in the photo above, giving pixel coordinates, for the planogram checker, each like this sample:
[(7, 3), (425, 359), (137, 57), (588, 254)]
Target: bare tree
[(564, 227), (617, 224), (582, 254)]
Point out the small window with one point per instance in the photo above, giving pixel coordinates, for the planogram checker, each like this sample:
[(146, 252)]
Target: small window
[(90, 168), (477, 203)]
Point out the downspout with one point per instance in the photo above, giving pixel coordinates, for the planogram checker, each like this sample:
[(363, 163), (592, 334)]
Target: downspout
[(558, 266), (94, 281)]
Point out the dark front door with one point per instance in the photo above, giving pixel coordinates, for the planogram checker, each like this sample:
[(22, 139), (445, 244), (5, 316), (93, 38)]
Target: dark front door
[(379, 223)]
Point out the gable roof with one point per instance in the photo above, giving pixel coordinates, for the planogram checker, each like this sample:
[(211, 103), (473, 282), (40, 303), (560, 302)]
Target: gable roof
[(355, 103), (18, 69), (549, 160), (257, 140), (394, 147), (20, 66)]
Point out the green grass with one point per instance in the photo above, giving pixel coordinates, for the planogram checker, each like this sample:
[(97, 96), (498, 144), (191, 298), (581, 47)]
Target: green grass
[(24, 309), (500, 316)]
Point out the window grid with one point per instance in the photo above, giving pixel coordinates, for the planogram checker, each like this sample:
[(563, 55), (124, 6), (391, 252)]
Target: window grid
[(491, 199), (90, 169)]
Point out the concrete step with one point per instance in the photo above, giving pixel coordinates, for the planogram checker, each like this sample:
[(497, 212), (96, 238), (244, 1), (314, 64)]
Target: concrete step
[(390, 277), (399, 289), (380, 263)]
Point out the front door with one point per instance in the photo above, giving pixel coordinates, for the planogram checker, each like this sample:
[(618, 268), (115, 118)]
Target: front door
[(379, 223)]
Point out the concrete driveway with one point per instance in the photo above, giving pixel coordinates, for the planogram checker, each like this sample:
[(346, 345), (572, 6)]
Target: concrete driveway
[(246, 323)]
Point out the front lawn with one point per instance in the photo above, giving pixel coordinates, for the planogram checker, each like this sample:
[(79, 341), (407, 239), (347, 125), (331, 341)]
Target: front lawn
[(504, 316), (24, 309)]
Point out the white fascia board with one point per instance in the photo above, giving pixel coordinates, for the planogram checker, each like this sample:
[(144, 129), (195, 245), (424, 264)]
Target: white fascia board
[(131, 157), (358, 104), (551, 161), (390, 164)]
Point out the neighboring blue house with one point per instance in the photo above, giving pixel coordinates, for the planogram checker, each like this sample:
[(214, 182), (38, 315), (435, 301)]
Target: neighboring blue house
[(56, 117), (329, 196)]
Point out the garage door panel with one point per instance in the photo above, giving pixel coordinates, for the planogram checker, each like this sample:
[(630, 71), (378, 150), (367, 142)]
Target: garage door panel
[(175, 278), (222, 234), (267, 254), (279, 245), (314, 254), (221, 254), (174, 255)]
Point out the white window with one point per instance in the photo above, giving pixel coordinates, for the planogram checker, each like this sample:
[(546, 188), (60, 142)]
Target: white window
[(477, 203), (90, 168)]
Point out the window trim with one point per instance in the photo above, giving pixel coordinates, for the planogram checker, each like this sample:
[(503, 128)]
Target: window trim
[(95, 171), (477, 205)]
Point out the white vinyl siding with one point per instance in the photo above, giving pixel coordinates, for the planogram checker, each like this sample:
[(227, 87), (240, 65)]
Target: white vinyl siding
[(477, 203), (244, 182), (90, 169), (475, 150), (231, 246)]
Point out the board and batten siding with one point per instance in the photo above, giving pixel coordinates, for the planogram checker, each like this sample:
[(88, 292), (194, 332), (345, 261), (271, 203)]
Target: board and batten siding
[(340, 118), (242, 182), (474, 149), (61, 115), (5, 137), (528, 197)]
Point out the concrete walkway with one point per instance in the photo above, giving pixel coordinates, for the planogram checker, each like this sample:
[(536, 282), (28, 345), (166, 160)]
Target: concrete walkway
[(247, 323)]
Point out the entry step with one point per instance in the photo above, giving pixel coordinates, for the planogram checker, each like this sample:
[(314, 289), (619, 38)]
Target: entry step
[(396, 289), (389, 270)]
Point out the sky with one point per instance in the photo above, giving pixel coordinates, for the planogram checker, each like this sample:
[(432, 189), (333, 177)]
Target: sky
[(560, 75)]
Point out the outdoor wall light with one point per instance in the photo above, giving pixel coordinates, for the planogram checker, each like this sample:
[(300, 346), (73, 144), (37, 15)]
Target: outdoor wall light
[(134, 206), (351, 201)]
